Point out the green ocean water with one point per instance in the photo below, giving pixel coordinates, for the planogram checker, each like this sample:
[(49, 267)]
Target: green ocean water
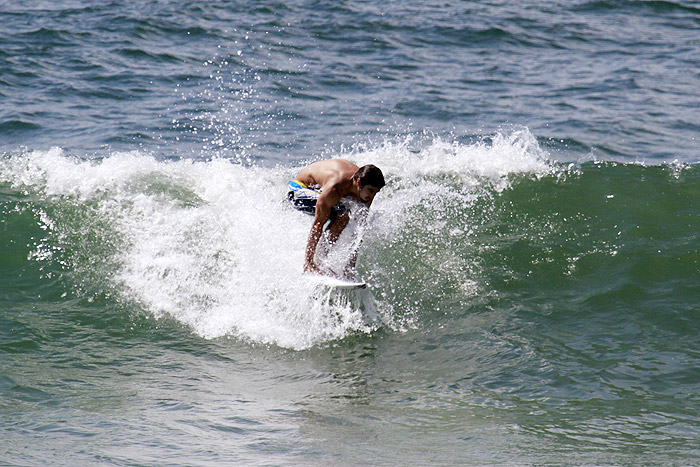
[(524, 312)]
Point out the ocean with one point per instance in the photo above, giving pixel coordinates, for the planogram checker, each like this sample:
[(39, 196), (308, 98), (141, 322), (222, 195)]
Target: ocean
[(533, 262)]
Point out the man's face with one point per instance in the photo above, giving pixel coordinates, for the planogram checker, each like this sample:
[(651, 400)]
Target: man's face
[(367, 193)]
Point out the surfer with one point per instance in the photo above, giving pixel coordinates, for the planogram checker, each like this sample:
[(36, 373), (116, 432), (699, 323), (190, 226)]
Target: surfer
[(319, 189)]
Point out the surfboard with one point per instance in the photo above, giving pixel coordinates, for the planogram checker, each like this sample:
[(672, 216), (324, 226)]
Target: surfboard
[(335, 283)]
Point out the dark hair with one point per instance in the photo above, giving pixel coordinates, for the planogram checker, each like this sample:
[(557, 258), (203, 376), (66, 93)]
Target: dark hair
[(370, 175)]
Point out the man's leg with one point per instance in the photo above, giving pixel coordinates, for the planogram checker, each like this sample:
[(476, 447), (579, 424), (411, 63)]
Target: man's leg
[(337, 225)]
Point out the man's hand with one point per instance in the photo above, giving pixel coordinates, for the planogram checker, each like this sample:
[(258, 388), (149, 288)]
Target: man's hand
[(310, 268)]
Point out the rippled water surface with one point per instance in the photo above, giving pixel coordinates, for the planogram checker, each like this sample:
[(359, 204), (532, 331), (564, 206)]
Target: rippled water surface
[(533, 260)]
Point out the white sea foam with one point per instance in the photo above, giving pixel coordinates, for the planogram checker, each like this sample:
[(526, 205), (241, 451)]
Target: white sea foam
[(215, 245), (448, 173)]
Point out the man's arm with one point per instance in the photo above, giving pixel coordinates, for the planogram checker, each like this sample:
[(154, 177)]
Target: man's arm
[(324, 207)]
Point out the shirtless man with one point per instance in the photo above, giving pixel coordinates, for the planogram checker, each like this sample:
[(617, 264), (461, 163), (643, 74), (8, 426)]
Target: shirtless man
[(318, 189)]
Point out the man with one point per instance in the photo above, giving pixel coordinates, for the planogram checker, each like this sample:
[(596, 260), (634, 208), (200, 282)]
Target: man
[(318, 190)]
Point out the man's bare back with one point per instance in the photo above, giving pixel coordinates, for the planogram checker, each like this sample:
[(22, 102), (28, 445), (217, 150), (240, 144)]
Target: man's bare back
[(327, 174)]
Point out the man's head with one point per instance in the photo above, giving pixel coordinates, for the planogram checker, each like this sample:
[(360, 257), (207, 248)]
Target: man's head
[(369, 180)]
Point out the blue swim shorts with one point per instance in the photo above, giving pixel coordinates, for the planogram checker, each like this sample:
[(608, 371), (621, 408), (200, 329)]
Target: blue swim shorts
[(304, 199)]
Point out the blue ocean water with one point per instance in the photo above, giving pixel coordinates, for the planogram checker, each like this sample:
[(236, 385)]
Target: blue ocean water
[(533, 260)]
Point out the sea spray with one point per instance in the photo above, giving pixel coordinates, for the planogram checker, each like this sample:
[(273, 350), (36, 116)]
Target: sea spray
[(214, 244), (425, 235)]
